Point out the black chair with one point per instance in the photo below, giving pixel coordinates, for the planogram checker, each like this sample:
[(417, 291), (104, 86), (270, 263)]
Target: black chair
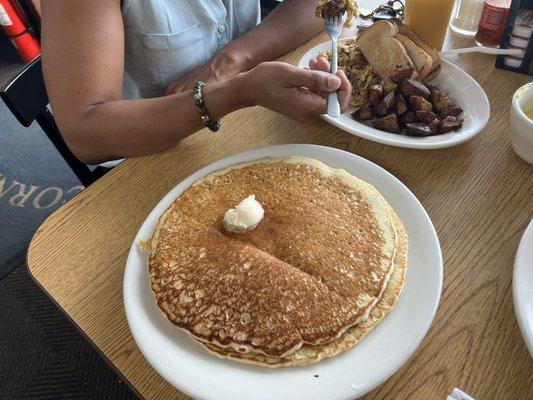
[(26, 98)]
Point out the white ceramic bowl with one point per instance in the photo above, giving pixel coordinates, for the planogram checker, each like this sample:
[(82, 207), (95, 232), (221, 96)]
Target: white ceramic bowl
[(521, 125)]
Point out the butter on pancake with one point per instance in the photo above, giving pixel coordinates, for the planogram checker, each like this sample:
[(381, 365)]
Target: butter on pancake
[(244, 217), (316, 265)]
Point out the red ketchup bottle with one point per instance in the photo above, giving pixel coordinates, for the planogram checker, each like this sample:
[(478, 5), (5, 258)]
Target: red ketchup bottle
[(492, 22)]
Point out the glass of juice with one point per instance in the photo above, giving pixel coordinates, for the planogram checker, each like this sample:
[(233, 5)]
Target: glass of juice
[(429, 18)]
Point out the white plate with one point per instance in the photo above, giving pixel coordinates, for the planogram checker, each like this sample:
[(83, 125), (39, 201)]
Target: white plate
[(187, 366), (463, 89), (523, 286)]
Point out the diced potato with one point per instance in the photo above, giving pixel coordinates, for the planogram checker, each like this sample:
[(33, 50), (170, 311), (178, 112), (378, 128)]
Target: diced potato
[(408, 118), (418, 103), (363, 113), (375, 94), (426, 116), (451, 123), (418, 129), (410, 87), (388, 123), (386, 105), (400, 105)]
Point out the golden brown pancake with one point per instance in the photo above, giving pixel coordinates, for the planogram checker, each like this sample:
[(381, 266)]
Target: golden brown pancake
[(315, 266), (308, 354)]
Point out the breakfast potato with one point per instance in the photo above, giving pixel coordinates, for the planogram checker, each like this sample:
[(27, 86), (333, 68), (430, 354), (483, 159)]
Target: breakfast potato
[(386, 105), (450, 123), (388, 123), (408, 118), (388, 86), (375, 94), (418, 129), (400, 105), (363, 113), (451, 110), (426, 116), (410, 87), (435, 126), (418, 103), (440, 100)]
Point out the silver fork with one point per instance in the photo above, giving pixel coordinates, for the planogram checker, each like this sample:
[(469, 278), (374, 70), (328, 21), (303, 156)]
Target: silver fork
[(334, 30)]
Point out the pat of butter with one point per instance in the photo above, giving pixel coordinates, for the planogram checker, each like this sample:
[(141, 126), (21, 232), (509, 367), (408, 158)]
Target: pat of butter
[(244, 217)]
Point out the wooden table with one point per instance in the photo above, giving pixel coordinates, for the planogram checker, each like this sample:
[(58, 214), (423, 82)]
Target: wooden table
[(478, 194)]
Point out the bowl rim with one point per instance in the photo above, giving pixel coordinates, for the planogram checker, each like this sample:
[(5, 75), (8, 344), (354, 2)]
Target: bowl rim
[(517, 108)]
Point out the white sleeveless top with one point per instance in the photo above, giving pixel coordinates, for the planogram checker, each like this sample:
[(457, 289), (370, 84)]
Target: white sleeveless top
[(166, 39)]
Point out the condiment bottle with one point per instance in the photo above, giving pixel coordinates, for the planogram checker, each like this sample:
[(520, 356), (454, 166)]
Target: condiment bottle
[(492, 22)]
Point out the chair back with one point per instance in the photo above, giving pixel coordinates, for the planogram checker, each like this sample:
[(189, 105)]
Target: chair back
[(25, 96)]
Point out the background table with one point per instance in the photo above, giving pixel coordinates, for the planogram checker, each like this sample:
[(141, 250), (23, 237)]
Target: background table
[(478, 194)]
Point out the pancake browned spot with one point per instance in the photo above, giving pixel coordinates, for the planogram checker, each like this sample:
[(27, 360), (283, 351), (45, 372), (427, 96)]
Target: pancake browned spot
[(315, 266)]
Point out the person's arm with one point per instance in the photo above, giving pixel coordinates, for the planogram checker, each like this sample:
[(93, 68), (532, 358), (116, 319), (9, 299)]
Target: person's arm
[(83, 63), (288, 26)]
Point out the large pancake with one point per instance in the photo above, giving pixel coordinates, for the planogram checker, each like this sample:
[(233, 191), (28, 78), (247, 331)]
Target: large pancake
[(308, 354), (315, 266)]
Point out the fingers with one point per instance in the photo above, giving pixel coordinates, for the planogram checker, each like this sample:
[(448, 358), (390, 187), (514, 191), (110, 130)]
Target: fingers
[(314, 80), (322, 64), (309, 105), (319, 63), (345, 91)]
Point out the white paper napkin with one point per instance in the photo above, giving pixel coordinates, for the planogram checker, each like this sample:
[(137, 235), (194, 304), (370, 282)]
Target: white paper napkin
[(458, 394)]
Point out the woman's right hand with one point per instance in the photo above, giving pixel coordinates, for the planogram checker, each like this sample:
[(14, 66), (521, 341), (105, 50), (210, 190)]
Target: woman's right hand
[(301, 94)]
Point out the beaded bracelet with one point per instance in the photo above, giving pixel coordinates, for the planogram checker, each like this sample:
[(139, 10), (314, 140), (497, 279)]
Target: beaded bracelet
[(197, 93)]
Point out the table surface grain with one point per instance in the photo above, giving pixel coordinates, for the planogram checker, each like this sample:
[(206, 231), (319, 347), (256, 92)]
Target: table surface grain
[(478, 194)]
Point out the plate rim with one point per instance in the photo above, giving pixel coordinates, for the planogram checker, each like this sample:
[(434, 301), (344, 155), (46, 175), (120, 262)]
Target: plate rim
[(518, 269), (299, 149), (413, 143)]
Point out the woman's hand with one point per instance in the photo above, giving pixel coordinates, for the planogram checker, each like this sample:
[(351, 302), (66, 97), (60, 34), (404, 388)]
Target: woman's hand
[(298, 93)]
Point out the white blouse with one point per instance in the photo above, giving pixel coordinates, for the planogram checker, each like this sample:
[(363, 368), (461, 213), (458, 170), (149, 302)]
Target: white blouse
[(166, 39)]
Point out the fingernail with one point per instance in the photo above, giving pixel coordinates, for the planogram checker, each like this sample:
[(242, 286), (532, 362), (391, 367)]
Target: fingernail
[(333, 81)]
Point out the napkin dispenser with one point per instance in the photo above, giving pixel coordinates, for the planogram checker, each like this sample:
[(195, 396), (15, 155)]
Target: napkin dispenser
[(518, 35)]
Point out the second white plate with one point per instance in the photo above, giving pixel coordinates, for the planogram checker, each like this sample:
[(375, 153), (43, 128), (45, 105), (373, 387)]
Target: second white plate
[(463, 89), (523, 286), (187, 366)]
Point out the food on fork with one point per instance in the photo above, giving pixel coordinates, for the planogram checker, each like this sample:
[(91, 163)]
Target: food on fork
[(322, 268), (335, 8)]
